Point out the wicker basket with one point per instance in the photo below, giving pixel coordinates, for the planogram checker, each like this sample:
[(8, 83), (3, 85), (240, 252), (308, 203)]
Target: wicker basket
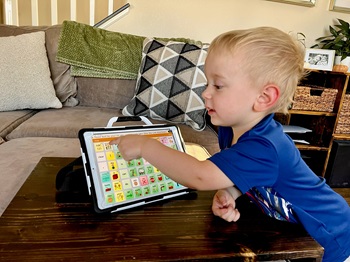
[(343, 125), (323, 99)]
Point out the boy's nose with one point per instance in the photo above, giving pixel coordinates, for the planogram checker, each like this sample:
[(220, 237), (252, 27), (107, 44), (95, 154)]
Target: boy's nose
[(206, 93)]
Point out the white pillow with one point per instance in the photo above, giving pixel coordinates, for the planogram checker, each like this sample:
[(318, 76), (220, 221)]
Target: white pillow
[(24, 73)]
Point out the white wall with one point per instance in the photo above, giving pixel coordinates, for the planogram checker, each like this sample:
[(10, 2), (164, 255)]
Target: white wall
[(204, 19)]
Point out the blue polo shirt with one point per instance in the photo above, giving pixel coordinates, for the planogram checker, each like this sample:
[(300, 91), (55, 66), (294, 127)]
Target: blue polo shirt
[(266, 165)]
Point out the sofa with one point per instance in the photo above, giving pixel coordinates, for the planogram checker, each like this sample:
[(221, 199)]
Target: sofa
[(41, 117)]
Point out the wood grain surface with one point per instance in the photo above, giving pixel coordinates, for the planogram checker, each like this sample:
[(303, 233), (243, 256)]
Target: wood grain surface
[(36, 228)]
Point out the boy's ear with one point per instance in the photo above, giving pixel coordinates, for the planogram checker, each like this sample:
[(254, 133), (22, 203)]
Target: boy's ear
[(267, 98)]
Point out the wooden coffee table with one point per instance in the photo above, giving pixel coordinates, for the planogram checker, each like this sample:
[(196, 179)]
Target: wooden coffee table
[(35, 228)]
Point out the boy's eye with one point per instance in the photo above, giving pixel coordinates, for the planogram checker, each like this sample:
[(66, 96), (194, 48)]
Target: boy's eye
[(216, 86)]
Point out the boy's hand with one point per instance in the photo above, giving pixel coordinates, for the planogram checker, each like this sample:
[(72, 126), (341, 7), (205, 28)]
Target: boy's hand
[(130, 146), (224, 206)]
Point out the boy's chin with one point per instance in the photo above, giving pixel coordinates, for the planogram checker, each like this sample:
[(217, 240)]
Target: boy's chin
[(215, 122)]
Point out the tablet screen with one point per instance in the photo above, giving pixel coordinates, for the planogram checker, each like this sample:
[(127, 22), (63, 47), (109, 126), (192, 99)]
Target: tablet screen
[(119, 182)]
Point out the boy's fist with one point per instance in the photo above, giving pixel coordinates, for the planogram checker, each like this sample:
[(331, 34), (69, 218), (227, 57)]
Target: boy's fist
[(224, 206)]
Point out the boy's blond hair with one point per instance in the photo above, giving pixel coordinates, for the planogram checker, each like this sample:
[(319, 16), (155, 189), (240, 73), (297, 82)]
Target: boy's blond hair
[(270, 57)]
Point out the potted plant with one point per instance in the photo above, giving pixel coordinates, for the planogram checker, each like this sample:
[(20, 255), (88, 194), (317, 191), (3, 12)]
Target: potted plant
[(338, 40)]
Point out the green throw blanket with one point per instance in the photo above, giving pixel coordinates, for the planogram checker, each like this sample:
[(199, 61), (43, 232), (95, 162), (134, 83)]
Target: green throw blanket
[(94, 52)]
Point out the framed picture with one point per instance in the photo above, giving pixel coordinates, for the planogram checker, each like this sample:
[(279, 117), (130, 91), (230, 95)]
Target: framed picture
[(320, 59), (340, 6), (297, 2)]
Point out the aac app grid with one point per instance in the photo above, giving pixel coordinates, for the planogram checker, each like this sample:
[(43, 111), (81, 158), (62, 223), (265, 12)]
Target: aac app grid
[(123, 181)]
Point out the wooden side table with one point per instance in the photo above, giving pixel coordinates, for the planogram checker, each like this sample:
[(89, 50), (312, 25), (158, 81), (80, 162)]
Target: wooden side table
[(35, 228)]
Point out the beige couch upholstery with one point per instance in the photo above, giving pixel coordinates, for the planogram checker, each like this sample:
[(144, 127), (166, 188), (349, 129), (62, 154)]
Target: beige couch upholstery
[(29, 134)]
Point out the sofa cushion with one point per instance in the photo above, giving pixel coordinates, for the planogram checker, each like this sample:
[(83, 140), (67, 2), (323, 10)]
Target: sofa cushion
[(11, 119), (25, 74), (64, 83), (103, 92), (67, 122), (64, 122), (18, 163), (170, 83)]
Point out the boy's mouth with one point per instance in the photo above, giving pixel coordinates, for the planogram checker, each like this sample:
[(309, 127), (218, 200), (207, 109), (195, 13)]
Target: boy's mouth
[(210, 110)]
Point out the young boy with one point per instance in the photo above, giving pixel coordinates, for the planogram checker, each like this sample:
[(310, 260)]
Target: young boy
[(251, 74)]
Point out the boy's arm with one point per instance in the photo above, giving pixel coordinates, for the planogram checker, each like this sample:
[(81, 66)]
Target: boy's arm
[(234, 191), (181, 167)]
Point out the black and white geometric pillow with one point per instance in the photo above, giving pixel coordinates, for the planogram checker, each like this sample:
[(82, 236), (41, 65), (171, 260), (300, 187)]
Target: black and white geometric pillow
[(170, 83)]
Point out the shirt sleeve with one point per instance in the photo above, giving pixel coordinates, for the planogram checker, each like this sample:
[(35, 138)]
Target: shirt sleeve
[(250, 163)]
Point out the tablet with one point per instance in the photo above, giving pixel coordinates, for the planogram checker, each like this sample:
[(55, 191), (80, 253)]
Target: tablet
[(116, 184)]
